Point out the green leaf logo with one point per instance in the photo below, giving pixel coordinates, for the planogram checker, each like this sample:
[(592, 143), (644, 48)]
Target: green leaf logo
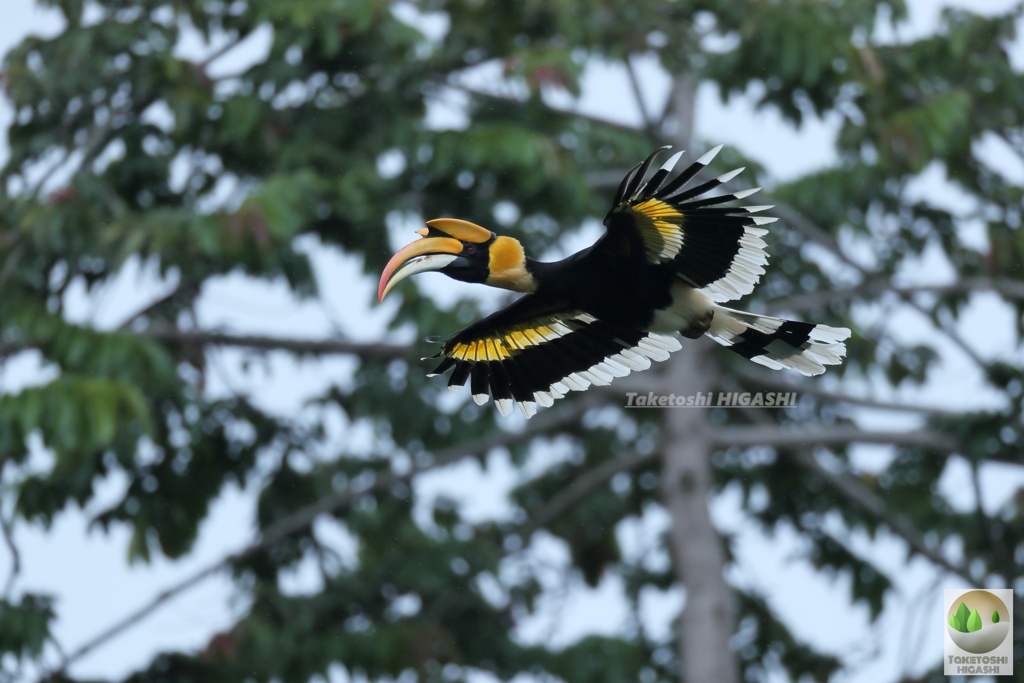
[(961, 616), (974, 621), (995, 617), (954, 622)]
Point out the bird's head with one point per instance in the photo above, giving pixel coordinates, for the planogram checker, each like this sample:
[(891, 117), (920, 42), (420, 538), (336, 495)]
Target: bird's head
[(463, 251)]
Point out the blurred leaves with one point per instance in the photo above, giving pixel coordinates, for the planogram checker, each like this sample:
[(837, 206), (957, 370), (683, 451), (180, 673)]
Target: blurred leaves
[(362, 116), (25, 626)]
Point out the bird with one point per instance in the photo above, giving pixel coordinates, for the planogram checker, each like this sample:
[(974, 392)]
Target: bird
[(669, 257)]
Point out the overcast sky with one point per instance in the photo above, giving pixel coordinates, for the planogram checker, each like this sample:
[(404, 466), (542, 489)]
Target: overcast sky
[(88, 570)]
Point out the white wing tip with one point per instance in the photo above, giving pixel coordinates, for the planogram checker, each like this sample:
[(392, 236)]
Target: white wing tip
[(672, 161), (726, 177), (830, 335), (529, 408), (709, 155)]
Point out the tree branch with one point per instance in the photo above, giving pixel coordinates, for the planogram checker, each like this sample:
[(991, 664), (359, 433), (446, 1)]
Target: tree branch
[(581, 487), (1008, 289), (638, 95), (857, 493), (812, 231), (332, 504), (234, 42), (871, 503), (11, 262), (1016, 145), (776, 380), (680, 111), (801, 223), (151, 306), (8, 534), (505, 101), (268, 343), (44, 178), (832, 436)]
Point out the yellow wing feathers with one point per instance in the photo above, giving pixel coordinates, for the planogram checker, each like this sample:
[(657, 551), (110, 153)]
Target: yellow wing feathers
[(660, 227), (716, 249), (670, 252), (503, 345)]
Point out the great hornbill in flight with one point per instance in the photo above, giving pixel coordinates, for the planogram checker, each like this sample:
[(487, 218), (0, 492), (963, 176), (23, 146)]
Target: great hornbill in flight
[(668, 258)]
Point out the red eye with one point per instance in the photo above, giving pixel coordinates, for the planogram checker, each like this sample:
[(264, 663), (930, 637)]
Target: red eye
[(470, 250)]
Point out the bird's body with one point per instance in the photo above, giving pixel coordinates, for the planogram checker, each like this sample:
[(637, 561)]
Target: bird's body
[(665, 263)]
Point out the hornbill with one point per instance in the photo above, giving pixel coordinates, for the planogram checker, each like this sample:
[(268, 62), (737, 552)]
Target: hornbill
[(668, 258)]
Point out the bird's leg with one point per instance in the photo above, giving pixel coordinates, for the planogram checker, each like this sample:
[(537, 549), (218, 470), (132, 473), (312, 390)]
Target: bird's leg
[(699, 325), (690, 312)]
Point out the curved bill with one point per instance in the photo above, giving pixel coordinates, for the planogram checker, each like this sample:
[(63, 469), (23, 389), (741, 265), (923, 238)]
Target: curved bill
[(433, 253), (460, 230)]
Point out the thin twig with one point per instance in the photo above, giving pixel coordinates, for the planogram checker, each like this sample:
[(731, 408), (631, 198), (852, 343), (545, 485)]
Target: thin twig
[(47, 174), (11, 262), (809, 229), (580, 488), (955, 337), (638, 95), (332, 504), (5, 525), (1002, 560), (150, 307), (506, 101), (779, 381), (1016, 146), (744, 436), (1008, 289), (223, 50), (871, 503), (8, 533), (268, 343)]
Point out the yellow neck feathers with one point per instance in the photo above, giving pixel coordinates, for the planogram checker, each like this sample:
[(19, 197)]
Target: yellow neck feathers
[(507, 266)]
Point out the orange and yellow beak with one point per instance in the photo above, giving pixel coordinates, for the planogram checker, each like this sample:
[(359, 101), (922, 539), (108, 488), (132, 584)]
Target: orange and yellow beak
[(434, 252)]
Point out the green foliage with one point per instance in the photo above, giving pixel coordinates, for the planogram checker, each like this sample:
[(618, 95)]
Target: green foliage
[(600, 660), (364, 116), (766, 642), (25, 627)]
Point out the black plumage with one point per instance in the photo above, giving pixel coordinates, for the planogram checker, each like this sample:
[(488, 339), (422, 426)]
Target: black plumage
[(668, 256)]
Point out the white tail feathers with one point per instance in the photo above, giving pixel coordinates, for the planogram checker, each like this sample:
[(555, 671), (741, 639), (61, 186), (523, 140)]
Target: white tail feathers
[(777, 343)]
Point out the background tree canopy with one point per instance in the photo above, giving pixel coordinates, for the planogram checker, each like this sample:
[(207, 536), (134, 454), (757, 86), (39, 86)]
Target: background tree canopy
[(128, 154)]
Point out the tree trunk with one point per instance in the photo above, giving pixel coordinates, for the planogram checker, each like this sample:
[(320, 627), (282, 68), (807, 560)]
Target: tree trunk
[(709, 615)]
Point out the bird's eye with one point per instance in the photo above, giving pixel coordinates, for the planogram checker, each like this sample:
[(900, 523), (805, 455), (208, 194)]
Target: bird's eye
[(470, 249)]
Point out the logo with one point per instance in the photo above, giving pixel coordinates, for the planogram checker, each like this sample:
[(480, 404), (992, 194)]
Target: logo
[(978, 639)]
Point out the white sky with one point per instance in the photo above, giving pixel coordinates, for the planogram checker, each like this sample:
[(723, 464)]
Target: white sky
[(87, 570)]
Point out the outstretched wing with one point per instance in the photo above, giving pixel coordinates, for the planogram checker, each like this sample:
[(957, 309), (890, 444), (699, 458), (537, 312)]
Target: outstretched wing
[(536, 350), (717, 250)]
